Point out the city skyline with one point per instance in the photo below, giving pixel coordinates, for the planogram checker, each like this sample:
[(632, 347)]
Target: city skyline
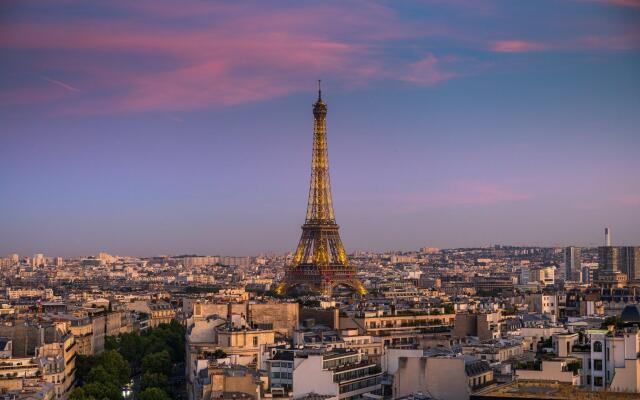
[(136, 129)]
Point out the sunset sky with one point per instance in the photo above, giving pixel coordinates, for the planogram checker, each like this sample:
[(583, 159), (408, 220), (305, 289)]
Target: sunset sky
[(166, 127)]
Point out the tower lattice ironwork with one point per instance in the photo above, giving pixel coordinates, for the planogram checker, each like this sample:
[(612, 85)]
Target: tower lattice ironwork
[(320, 261)]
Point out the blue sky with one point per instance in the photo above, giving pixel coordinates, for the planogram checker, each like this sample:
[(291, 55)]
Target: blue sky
[(141, 128)]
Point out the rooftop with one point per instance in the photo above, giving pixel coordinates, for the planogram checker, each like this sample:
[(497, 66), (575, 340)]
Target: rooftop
[(547, 390)]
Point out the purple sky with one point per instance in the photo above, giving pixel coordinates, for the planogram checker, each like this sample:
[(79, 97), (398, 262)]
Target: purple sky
[(147, 127)]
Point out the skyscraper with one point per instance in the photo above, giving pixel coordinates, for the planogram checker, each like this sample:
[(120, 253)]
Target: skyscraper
[(320, 261), (572, 263), (625, 259)]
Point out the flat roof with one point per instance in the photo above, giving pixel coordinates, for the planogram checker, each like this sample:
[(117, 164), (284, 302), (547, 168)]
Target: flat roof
[(546, 390)]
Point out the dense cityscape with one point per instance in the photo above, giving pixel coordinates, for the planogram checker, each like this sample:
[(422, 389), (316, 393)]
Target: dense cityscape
[(475, 236), (442, 324)]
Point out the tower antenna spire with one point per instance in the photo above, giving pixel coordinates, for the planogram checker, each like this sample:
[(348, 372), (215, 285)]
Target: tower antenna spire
[(319, 90)]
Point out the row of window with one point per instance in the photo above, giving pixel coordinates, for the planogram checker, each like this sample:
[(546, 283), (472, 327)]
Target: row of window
[(283, 364), (365, 383), (281, 375), (353, 374), (336, 362), (481, 380)]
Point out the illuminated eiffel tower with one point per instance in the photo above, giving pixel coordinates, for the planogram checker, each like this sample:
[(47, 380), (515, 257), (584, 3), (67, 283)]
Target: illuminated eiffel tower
[(320, 262)]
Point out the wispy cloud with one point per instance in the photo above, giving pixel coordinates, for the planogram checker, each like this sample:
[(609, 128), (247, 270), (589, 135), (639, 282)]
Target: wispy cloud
[(461, 193), (620, 3), (152, 56), (63, 85), (234, 60), (628, 200), (516, 46), (427, 71)]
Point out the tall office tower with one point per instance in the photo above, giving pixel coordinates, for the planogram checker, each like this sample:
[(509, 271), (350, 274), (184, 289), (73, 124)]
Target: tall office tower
[(625, 259), (573, 263), (608, 258), (630, 262), (320, 261)]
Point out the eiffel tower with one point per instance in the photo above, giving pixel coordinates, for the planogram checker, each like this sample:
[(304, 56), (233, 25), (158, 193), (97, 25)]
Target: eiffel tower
[(320, 262)]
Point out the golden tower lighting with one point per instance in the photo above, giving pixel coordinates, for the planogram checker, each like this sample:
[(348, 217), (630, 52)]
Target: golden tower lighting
[(320, 261)]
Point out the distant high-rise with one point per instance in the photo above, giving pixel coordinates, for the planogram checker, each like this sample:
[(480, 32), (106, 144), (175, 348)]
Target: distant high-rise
[(38, 260), (607, 237), (625, 259), (630, 262), (609, 258), (572, 263), (14, 258)]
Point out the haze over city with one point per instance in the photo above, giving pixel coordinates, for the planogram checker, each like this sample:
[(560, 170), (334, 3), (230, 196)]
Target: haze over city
[(140, 128)]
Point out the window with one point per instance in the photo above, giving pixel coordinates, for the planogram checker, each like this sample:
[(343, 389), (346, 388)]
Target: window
[(597, 346), (597, 365), (588, 379), (597, 381), (255, 341)]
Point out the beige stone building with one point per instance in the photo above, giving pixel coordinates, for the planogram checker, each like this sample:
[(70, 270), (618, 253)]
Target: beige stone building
[(159, 312), (444, 378), (282, 317)]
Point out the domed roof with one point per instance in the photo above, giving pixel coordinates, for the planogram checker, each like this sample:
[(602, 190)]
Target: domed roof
[(631, 314)]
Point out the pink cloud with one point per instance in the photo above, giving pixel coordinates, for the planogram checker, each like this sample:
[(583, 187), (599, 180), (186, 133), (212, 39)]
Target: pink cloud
[(516, 46), (628, 200), (621, 3), (234, 60), (629, 40), (463, 193), (61, 84), (620, 41), (427, 71)]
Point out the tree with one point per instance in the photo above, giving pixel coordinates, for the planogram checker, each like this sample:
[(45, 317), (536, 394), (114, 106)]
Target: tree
[(159, 362), (99, 374), (614, 320), (131, 348), (79, 394), (83, 366), (153, 394), (111, 343), (115, 365), (154, 379), (101, 391), (219, 353), (448, 308)]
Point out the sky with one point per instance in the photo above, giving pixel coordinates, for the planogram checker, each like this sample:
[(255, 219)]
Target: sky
[(163, 127)]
